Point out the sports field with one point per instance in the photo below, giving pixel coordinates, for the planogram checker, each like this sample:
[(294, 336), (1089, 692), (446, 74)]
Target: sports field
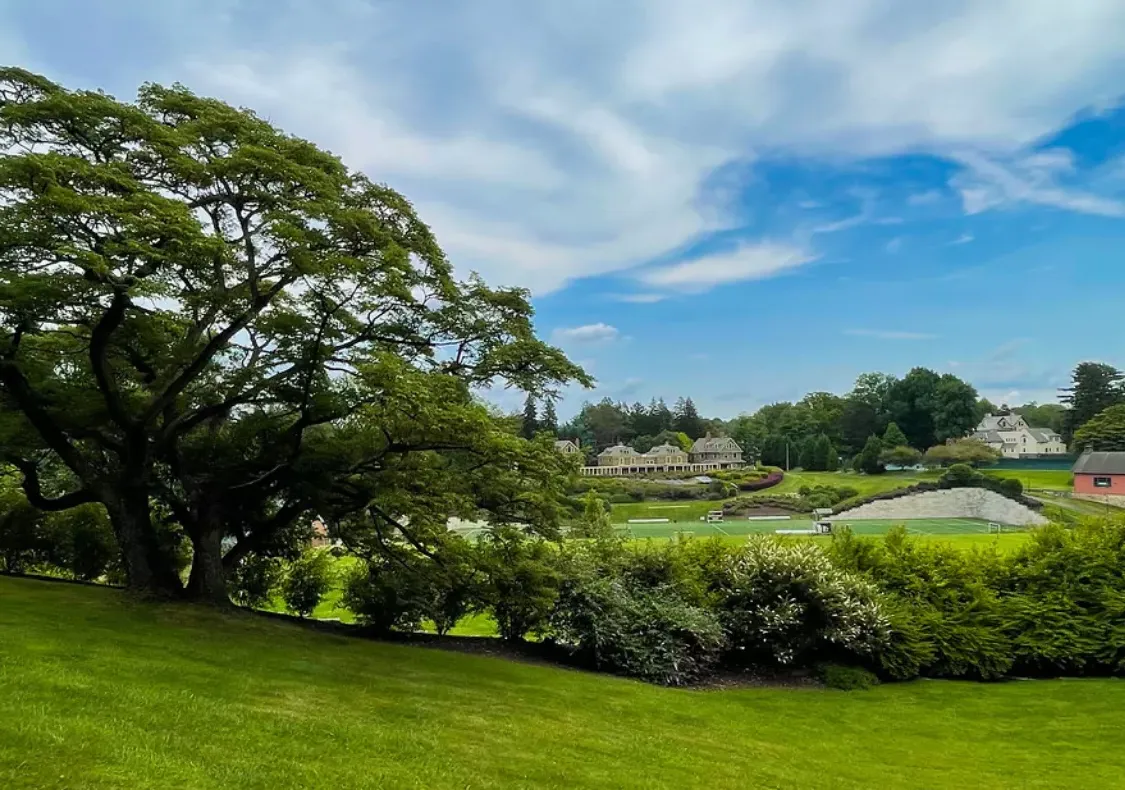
[(737, 527)]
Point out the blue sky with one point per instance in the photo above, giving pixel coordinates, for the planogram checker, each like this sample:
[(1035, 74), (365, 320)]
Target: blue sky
[(735, 200)]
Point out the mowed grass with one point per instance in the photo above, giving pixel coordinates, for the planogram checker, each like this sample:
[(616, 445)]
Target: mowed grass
[(101, 692)]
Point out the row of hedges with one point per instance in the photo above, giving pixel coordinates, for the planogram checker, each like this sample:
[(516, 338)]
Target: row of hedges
[(957, 476), (806, 500), (677, 613)]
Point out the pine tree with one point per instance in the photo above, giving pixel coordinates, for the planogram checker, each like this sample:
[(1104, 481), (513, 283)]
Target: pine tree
[(550, 421), (827, 459), (894, 437), (1095, 387), (687, 419), (869, 458), (530, 418)]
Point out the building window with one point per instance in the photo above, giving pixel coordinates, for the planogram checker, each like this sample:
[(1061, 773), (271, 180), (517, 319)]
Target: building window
[(1103, 482)]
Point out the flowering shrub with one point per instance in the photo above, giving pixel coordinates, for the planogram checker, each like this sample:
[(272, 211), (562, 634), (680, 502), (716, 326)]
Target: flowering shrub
[(769, 481), (788, 604)]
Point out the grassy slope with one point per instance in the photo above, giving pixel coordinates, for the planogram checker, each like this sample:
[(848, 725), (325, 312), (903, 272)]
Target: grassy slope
[(102, 693)]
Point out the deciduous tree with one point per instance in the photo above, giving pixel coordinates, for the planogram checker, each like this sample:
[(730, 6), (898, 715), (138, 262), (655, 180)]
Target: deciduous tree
[(194, 304), (1104, 431)]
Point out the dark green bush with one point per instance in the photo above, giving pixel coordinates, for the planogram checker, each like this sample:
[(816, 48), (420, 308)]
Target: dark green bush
[(519, 581), (306, 581), (255, 580), (787, 604), (846, 678), (652, 634), (388, 593)]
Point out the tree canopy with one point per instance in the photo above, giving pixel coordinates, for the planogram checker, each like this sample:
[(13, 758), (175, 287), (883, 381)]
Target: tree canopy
[(1105, 431), (203, 314)]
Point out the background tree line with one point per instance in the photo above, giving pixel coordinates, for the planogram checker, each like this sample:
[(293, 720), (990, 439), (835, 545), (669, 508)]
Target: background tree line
[(911, 414)]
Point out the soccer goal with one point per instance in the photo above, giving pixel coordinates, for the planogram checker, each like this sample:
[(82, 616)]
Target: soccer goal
[(995, 527)]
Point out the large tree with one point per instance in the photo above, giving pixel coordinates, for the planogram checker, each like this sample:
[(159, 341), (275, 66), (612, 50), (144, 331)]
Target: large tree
[(529, 420), (930, 408), (687, 419), (1104, 431), (1094, 387), (193, 306)]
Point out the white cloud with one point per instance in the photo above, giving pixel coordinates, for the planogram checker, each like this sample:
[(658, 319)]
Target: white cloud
[(590, 333), (882, 334), (964, 238), (926, 198), (988, 183), (640, 298), (748, 262), (894, 245), (550, 141)]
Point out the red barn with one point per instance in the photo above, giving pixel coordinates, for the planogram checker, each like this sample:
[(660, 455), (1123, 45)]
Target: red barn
[(1100, 474)]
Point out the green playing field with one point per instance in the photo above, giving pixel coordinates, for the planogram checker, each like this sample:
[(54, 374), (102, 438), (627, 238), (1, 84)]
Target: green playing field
[(920, 526)]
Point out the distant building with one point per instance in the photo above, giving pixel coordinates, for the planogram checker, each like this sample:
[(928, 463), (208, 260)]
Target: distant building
[(666, 455), (567, 447), (720, 450), (1100, 476), (1010, 435), (707, 455), (320, 536)]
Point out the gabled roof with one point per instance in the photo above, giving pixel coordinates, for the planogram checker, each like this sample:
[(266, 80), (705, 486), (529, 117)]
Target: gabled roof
[(989, 437), (665, 449), (715, 444), (618, 449), (991, 422), (562, 444), (1044, 434), (1100, 464)]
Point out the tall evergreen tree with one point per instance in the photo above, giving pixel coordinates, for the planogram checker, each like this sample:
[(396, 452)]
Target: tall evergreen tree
[(868, 460), (530, 418), (827, 458), (687, 419), (550, 420), (1094, 388), (894, 437)]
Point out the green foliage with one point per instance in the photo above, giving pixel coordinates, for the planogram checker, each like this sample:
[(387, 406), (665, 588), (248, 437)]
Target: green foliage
[(894, 437), (256, 580), (847, 678), (900, 455), (306, 581), (519, 581), (529, 424), (786, 603), (1094, 388), (1105, 431), (648, 633), (961, 451), (595, 521), (266, 326), (868, 460)]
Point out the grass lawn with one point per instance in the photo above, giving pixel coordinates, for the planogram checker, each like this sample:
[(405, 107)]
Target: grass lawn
[(1049, 479), (100, 692)]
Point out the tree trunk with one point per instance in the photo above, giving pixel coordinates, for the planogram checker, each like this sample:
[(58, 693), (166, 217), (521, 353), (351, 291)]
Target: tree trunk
[(148, 569), (207, 582)]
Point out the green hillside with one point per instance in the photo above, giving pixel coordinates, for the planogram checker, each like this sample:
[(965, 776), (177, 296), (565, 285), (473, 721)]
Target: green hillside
[(100, 692)]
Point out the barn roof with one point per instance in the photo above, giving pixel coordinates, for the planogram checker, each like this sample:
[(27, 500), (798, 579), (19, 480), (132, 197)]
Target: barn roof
[(1100, 464)]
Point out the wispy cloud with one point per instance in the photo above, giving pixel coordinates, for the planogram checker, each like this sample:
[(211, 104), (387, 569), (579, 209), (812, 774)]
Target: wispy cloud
[(964, 238), (587, 334), (927, 198), (987, 183), (894, 245), (748, 262), (884, 334), (639, 298)]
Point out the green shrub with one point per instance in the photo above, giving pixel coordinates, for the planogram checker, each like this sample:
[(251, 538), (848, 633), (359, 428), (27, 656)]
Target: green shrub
[(21, 536), (946, 618), (388, 593), (519, 581), (786, 603), (306, 582), (255, 580), (652, 634), (847, 678)]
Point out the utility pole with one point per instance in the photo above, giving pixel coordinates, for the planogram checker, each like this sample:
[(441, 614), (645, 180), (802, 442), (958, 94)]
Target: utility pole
[(786, 455)]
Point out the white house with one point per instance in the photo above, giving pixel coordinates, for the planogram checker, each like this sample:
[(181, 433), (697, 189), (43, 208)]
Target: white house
[(1014, 438), (567, 447)]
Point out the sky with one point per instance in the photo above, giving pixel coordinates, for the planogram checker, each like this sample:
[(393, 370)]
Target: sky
[(738, 201)]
